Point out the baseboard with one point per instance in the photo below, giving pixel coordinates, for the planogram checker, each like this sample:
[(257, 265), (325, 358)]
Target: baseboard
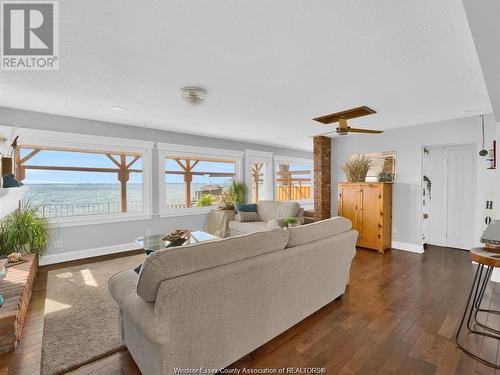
[(88, 253), (419, 249)]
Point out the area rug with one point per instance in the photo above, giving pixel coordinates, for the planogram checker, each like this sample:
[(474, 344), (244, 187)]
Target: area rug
[(81, 318)]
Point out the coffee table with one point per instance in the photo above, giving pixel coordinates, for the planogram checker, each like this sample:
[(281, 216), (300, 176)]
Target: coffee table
[(155, 242)]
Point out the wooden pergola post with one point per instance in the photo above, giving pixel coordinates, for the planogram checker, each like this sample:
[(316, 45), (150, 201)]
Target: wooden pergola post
[(188, 178), (256, 168), (123, 177)]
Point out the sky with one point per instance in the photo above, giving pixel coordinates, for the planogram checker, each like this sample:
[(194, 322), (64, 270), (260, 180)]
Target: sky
[(63, 158)]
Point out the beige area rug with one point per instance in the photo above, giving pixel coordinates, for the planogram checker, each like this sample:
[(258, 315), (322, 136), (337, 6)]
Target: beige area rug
[(81, 318)]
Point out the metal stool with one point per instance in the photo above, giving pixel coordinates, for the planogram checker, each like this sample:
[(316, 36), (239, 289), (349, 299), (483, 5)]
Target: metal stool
[(487, 259)]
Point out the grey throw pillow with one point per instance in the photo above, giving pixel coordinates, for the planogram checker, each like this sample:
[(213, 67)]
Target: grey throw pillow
[(248, 217)]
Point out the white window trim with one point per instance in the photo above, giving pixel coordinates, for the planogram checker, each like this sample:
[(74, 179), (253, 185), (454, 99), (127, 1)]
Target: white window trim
[(251, 157), (49, 138), (168, 150), (280, 159)]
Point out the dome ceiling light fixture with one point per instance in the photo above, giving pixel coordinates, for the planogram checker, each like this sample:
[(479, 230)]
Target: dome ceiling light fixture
[(193, 95)]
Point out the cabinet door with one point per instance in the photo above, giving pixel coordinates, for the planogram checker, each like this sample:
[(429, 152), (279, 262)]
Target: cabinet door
[(369, 219), (348, 203)]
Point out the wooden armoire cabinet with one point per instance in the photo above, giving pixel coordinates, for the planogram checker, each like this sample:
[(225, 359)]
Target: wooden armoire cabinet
[(369, 206)]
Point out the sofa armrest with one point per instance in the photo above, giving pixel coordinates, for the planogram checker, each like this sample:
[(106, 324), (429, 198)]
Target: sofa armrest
[(275, 223), (123, 289)]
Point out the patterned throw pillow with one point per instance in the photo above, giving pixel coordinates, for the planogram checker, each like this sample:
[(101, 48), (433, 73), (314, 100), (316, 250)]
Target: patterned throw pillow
[(248, 217)]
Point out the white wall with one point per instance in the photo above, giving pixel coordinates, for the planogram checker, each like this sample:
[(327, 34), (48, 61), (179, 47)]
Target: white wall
[(78, 240), (408, 143)]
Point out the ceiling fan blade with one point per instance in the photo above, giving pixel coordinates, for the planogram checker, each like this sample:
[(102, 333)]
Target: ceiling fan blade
[(347, 114), (367, 131)]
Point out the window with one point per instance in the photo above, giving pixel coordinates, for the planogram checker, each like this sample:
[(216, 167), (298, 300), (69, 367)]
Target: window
[(79, 183), (259, 175), (194, 180), (293, 180), (83, 179)]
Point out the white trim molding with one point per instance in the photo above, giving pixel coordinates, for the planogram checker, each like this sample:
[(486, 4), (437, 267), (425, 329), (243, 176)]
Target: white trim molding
[(67, 139), (405, 246), (266, 158), (184, 150), (88, 253), (168, 150), (64, 140), (280, 159)]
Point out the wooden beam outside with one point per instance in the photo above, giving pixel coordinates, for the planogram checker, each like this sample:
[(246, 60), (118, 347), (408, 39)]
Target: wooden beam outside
[(115, 162), (78, 169), (29, 156)]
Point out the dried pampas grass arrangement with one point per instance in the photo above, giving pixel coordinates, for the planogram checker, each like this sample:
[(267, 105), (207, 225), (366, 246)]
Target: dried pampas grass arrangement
[(356, 168)]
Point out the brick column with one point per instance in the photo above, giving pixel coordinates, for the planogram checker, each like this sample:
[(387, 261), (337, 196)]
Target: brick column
[(322, 177)]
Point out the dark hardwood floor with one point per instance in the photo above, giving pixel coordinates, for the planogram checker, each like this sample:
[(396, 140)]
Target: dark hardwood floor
[(398, 316)]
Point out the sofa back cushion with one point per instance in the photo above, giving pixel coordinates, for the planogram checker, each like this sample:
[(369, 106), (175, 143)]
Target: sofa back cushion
[(174, 262), (268, 210), (316, 231)]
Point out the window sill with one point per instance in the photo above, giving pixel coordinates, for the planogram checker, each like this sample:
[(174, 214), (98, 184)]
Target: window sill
[(76, 221), (186, 211)]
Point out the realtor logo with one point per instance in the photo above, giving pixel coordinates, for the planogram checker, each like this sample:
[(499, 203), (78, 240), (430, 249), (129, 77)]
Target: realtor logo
[(30, 39)]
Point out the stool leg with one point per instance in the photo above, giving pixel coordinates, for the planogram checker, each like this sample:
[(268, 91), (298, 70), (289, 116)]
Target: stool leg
[(475, 297), (467, 306), (476, 287)]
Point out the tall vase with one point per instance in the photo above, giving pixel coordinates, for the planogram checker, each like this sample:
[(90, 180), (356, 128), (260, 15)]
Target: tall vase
[(6, 166)]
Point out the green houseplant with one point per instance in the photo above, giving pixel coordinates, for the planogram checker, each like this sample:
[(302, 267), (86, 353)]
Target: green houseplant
[(205, 200), (290, 221), (24, 230), (234, 193)]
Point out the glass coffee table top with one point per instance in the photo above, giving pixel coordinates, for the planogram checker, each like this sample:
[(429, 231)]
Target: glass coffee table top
[(156, 242)]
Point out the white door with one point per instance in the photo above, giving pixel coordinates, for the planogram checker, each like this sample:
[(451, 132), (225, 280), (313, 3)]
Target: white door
[(461, 175)]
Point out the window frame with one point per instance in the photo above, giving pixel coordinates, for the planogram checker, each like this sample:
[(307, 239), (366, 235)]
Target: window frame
[(169, 150), (64, 140), (280, 159), (252, 157)]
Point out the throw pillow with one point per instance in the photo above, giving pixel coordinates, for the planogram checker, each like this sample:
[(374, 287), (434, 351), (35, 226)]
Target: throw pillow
[(248, 217), (252, 207)]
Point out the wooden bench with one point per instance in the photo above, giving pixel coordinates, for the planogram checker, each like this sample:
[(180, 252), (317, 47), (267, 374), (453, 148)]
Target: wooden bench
[(16, 290)]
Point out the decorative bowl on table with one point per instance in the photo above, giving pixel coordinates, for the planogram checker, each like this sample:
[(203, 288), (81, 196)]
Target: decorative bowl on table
[(176, 235)]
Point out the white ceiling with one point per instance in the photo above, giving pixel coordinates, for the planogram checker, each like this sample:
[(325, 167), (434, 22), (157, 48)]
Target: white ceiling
[(269, 66)]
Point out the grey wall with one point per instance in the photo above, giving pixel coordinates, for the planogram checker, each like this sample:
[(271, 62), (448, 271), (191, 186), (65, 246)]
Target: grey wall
[(408, 143), (96, 236)]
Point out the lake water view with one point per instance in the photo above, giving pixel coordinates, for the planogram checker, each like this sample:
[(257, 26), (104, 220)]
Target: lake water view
[(90, 199)]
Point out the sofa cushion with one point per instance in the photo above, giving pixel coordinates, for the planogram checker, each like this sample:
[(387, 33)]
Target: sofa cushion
[(268, 210), (171, 263), (248, 227), (317, 231), (251, 207)]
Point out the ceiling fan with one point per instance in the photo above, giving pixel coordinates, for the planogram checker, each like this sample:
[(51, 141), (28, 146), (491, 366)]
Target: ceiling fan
[(343, 116)]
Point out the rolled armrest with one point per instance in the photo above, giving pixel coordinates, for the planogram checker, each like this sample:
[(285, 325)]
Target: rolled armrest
[(123, 289)]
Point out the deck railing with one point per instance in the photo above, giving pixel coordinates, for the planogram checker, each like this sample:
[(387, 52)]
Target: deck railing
[(52, 210)]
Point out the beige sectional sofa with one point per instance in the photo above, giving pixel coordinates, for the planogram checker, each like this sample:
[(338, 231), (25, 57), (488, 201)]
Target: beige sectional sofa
[(270, 214), (207, 305)]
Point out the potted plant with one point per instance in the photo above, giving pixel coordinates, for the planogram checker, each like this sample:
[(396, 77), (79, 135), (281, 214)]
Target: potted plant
[(290, 222), (205, 200), (24, 231), (356, 168), (234, 193)]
